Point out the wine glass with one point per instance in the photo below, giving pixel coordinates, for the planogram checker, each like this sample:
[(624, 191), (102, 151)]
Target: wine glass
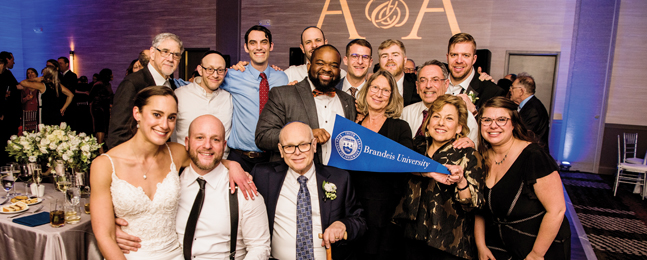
[(35, 171), (7, 178), (63, 182)]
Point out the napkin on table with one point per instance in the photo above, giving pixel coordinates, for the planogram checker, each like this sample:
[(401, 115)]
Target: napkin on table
[(33, 220)]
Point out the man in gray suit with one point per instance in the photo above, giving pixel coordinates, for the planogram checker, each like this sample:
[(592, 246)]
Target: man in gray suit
[(314, 101)]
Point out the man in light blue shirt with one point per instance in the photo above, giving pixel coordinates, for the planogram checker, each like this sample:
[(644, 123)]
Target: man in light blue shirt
[(246, 92)]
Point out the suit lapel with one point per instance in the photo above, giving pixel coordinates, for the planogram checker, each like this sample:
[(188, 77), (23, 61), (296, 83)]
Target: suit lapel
[(148, 77), (347, 103), (324, 206), (275, 180), (303, 88)]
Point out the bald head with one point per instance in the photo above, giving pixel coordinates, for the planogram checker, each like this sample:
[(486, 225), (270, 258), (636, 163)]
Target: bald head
[(296, 138), (205, 143)]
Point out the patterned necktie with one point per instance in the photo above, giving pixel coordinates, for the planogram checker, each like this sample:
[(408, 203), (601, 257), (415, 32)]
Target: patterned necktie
[(305, 249), (189, 232), (316, 93), (425, 113), (264, 90), (353, 91)]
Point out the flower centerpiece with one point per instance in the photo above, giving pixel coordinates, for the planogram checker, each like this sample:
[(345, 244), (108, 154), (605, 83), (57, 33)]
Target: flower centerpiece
[(25, 149), (55, 144)]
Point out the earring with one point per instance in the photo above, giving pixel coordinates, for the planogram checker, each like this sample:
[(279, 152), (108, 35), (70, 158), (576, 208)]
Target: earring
[(137, 124)]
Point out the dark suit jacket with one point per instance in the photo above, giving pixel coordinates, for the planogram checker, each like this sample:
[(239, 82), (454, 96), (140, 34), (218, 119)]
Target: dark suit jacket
[(269, 178), (484, 90), (293, 103), (409, 93), (535, 117), (70, 80), (123, 102)]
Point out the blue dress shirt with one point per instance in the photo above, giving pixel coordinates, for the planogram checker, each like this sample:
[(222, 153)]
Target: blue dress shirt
[(244, 89)]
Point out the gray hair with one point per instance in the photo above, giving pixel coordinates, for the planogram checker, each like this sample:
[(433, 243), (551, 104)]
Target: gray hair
[(437, 63), (164, 36)]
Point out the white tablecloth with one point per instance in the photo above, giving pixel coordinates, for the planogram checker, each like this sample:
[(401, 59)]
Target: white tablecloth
[(45, 242)]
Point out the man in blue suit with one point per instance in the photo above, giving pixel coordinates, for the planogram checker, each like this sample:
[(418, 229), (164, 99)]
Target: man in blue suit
[(304, 199)]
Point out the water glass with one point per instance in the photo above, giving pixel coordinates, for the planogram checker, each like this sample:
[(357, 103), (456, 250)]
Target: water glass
[(72, 214), (7, 178), (56, 214)]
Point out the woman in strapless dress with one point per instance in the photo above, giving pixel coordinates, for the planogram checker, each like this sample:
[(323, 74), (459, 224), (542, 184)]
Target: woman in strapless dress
[(138, 181)]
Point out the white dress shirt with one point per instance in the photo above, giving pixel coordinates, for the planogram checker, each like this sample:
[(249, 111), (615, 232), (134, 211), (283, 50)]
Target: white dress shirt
[(284, 245), (300, 72), (412, 114), (194, 101), (213, 230), (159, 79), (456, 89), (400, 83), (327, 109), (346, 87)]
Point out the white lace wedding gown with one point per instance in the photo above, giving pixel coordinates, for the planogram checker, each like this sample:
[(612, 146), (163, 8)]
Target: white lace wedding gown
[(152, 221)]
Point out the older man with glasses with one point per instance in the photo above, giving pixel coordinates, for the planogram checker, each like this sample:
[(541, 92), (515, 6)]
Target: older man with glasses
[(205, 97), (165, 54)]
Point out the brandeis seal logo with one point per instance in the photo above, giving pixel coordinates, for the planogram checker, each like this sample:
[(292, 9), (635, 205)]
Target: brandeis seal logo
[(348, 145)]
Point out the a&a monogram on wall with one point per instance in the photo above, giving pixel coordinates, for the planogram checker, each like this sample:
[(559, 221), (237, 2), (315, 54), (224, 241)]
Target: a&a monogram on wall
[(389, 14)]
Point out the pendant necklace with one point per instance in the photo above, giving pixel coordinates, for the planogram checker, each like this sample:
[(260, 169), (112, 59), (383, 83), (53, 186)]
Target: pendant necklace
[(150, 164), (504, 157)]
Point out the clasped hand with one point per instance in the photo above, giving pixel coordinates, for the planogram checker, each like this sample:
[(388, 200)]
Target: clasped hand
[(455, 176)]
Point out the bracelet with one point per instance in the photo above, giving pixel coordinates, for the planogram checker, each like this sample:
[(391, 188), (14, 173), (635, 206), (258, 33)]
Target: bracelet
[(462, 189)]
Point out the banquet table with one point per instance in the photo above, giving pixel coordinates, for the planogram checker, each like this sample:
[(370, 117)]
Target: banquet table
[(73, 241)]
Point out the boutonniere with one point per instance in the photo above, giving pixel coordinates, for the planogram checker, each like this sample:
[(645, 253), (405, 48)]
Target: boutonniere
[(473, 97), (330, 190)]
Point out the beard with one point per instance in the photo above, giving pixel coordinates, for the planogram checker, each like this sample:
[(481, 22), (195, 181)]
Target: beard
[(321, 86), (193, 154)]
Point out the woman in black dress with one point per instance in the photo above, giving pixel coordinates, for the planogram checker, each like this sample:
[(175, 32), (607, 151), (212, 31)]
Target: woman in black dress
[(101, 96), (379, 193), (52, 93), (524, 213)]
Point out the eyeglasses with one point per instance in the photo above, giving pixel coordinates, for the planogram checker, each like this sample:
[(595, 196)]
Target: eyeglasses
[(355, 56), (375, 89), (210, 71), (432, 80), (165, 53), (304, 147), (501, 121)]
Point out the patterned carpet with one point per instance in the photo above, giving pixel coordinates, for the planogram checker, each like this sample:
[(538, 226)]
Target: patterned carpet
[(615, 226)]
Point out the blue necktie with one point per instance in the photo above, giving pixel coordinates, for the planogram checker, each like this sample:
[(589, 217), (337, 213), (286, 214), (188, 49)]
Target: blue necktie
[(305, 249)]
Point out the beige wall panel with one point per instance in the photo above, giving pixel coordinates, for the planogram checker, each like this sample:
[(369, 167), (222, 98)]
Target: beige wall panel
[(627, 94)]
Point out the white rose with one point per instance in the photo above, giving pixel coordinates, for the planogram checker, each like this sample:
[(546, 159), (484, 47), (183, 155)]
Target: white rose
[(13, 137), (82, 135), (63, 125), (330, 187), (65, 157), (32, 158), (85, 148), (52, 146)]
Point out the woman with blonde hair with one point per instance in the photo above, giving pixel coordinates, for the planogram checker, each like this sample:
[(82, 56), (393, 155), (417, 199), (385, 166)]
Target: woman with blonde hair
[(379, 193), (52, 92)]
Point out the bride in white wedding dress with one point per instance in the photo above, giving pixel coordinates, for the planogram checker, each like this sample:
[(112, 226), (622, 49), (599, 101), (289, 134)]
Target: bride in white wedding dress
[(139, 182)]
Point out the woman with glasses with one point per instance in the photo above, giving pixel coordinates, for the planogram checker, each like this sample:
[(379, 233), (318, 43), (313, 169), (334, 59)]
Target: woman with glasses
[(379, 193), (523, 217), (436, 212)]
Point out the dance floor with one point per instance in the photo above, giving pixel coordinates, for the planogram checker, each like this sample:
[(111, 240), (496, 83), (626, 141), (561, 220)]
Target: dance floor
[(606, 227)]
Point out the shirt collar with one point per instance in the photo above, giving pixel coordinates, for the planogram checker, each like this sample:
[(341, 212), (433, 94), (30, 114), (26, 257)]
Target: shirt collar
[(65, 72), (256, 73), (216, 175), (525, 101), (347, 84), (309, 174), (159, 79), (401, 84), (466, 83)]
